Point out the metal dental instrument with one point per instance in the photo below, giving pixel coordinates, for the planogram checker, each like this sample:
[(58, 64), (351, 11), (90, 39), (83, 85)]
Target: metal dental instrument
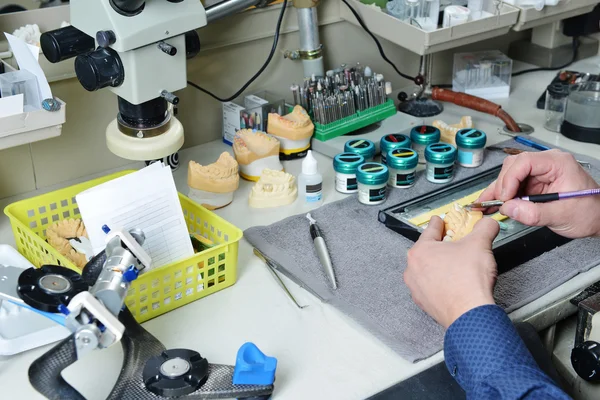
[(271, 267), (513, 151), (322, 251), (539, 198)]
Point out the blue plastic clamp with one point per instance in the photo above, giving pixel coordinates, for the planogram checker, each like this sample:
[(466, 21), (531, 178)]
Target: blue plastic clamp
[(131, 274), (252, 367)]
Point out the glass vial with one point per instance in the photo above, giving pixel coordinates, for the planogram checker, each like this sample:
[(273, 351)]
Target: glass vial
[(556, 100)]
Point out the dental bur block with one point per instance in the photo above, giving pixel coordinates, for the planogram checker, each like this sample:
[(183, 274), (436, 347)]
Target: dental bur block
[(252, 367)]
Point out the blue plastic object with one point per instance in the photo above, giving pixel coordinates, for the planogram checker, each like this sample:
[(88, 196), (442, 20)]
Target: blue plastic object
[(252, 367), (105, 229), (131, 274), (531, 143)]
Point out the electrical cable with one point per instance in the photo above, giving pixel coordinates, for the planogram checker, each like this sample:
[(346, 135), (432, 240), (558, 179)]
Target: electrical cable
[(362, 24), (260, 71), (575, 51)]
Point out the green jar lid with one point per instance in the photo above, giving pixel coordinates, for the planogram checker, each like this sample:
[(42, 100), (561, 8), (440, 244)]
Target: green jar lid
[(471, 139), (364, 147), (347, 163), (372, 173), (425, 135), (394, 141), (440, 153), (403, 158)]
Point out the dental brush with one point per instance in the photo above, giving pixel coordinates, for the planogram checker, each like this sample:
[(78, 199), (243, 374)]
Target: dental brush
[(539, 198)]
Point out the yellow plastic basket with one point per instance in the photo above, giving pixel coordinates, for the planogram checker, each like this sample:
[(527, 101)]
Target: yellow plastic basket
[(157, 291)]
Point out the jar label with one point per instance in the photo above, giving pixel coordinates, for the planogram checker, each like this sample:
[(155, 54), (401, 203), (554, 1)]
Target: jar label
[(343, 183), (372, 195), (443, 172), (404, 179), (470, 157), (314, 193)]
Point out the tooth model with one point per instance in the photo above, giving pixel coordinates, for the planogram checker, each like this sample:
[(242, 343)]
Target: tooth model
[(459, 222), (255, 151), (293, 130), (58, 235), (448, 132), (213, 185), (273, 189)]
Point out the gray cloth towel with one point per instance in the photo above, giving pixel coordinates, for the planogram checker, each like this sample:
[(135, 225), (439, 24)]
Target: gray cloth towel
[(369, 260)]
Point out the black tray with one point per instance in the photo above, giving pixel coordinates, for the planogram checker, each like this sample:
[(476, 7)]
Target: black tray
[(521, 245)]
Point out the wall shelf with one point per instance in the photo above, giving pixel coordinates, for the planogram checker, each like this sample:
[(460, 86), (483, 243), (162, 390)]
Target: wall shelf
[(422, 42), (529, 17)]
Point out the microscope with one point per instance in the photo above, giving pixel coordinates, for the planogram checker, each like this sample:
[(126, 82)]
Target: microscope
[(138, 50)]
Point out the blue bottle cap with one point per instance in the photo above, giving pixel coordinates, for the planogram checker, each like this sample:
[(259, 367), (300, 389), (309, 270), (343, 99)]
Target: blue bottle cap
[(403, 158), (364, 147), (372, 174), (471, 139), (393, 141), (347, 163), (425, 135), (440, 153)]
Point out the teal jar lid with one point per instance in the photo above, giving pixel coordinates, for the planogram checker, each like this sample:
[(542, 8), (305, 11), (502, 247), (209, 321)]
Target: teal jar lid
[(425, 135), (364, 147), (403, 158), (440, 153), (393, 141), (347, 163), (372, 173), (471, 139)]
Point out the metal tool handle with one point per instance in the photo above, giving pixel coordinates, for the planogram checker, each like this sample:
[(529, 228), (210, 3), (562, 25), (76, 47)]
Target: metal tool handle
[(45, 372)]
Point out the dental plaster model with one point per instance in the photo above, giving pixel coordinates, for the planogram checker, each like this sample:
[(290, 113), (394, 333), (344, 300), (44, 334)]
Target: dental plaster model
[(213, 185), (293, 130), (58, 235), (273, 189), (255, 151), (448, 132), (459, 222)]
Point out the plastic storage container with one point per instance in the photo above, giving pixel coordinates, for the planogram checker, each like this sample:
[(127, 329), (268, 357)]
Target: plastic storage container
[(372, 183), (345, 166), (391, 142), (364, 147), (556, 102), (421, 137), (485, 74), (154, 292), (440, 162), (21, 82), (402, 164), (470, 144)]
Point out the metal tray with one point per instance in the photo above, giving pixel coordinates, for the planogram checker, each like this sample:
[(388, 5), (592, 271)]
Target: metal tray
[(513, 246)]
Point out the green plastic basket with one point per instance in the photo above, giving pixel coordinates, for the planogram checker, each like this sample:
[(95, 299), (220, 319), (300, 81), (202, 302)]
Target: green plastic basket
[(354, 122)]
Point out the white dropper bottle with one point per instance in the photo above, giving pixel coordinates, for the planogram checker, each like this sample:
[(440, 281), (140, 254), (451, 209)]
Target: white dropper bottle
[(310, 181)]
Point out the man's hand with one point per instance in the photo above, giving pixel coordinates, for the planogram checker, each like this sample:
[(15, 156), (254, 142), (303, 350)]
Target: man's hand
[(549, 171), (447, 279)]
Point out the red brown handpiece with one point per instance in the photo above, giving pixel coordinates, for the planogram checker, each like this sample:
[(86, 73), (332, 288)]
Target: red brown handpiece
[(475, 103)]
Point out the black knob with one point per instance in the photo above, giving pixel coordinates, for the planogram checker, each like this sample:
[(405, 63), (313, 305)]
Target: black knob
[(99, 69), (170, 97), (105, 38), (192, 44), (585, 359), (402, 96), (64, 43), (167, 48)]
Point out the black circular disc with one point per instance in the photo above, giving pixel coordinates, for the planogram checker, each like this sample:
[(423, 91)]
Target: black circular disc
[(175, 372), (50, 286)]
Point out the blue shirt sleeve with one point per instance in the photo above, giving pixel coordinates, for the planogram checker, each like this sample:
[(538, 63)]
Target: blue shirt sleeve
[(488, 359)]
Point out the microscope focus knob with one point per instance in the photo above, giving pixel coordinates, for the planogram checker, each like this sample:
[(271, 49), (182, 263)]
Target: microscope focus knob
[(99, 69), (585, 359), (105, 38)]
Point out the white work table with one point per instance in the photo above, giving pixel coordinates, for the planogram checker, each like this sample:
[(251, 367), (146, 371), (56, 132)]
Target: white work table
[(321, 353)]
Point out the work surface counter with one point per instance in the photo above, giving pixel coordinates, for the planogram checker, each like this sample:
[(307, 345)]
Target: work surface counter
[(321, 353)]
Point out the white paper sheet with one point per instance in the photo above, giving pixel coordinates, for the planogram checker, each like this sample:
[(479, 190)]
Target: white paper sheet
[(29, 62), (11, 105), (146, 199)]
